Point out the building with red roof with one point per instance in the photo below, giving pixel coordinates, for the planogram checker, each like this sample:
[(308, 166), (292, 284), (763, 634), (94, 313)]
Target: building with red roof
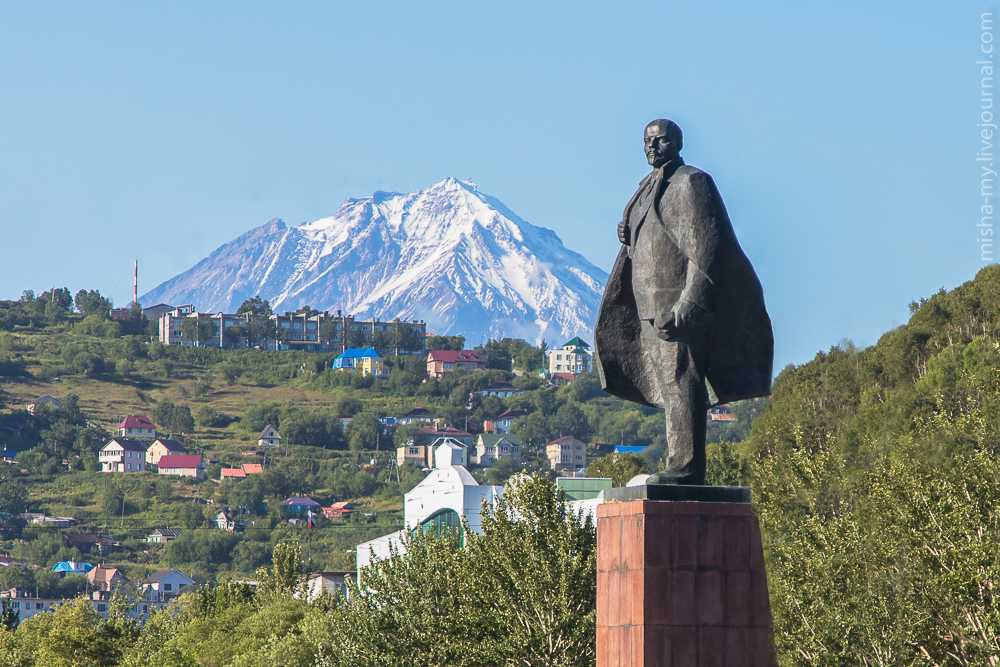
[(338, 510), (182, 465), (253, 468), (137, 427), (231, 473), (440, 362)]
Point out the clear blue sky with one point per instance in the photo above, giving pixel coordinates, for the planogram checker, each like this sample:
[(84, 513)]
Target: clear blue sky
[(842, 135)]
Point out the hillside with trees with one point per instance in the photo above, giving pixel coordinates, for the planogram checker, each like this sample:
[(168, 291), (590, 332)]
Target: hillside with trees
[(875, 473)]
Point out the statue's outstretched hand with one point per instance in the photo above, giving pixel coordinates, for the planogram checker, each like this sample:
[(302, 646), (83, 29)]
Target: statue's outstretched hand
[(623, 232)]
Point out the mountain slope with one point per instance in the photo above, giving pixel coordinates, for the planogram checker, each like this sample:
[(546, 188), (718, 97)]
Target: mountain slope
[(449, 254)]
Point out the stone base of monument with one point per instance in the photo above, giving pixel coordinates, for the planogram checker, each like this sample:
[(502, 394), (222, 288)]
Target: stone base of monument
[(681, 580)]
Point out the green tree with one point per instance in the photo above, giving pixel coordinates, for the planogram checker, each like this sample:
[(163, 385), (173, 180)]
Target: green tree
[(619, 467), (90, 302), (255, 306)]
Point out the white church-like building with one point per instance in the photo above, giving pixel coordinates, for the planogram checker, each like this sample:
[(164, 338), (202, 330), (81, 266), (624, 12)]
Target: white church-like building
[(446, 497)]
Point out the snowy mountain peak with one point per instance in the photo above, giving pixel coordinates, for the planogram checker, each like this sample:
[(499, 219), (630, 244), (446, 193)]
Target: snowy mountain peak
[(448, 254)]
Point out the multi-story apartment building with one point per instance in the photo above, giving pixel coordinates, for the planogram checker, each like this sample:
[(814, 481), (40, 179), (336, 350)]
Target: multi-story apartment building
[(309, 331)]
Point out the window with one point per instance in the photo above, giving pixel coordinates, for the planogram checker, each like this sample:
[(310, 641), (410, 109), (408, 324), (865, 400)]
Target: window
[(443, 522), (102, 607), (167, 587)]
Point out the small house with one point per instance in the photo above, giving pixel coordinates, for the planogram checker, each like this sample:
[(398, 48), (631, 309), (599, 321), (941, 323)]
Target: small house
[(494, 447), (231, 473), (269, 437), (105, 579), (338, 510), (503, 422), (137, 427), (441, 362), (225, 520), (182, 465), (123, 455), (300, 507), (364, 360), (162, 535), (162, 447), (165, 585), (43, 402)]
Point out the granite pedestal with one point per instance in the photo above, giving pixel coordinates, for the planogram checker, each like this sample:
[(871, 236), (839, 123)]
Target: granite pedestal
[(681, 583)]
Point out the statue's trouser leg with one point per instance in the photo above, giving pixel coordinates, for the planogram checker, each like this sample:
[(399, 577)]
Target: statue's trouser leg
[(681, 386)]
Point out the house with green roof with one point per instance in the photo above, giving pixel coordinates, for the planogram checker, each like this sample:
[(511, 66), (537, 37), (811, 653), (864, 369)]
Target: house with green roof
[(494, 447), (571, 359)]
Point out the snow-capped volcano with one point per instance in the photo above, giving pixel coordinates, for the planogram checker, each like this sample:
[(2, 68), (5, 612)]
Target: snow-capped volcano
[(450, 255)]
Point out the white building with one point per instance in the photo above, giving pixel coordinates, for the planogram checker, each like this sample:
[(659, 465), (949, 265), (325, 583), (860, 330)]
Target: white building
[(443, 499), (573, 357), (123, 455), (165, 585), (269, 437)]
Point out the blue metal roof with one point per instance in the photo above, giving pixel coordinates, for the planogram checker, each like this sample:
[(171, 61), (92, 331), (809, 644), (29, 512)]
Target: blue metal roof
[(630, 449), (349, 357), (72, 567)]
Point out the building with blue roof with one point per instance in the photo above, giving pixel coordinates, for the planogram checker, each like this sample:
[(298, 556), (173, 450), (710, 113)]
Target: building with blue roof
[(364, 360), (71, 567)]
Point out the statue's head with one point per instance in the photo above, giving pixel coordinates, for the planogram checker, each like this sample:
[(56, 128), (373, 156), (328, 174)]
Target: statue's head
[(662, 141)]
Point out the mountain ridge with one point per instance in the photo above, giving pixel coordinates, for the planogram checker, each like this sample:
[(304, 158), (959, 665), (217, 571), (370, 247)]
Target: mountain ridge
[(449, 254)]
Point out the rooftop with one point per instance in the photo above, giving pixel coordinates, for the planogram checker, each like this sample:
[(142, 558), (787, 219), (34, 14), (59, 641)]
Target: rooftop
[(137, 421), (453, 356), (180, 461)]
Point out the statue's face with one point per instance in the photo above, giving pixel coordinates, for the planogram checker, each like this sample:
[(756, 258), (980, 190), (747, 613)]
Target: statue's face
[(659, 150)]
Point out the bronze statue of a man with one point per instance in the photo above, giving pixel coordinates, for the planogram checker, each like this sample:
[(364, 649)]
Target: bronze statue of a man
[(683, 305)]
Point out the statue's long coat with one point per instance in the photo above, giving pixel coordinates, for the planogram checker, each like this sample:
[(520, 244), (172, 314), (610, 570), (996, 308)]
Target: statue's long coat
[(738, 339)]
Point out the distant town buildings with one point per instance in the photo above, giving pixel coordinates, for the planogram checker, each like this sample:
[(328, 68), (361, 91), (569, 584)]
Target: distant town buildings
[(499, 390), (318, 332), (438, 503), (440, 362), (154, 593), (572, 358)]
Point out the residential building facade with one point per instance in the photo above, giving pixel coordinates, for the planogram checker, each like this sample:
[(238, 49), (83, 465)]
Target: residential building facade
[(162, 447), (123, 455), (440, 362), (494, 447), (573, 357), (137, 427), (269, 437), (364, 360), (181, 465), (566, 453)]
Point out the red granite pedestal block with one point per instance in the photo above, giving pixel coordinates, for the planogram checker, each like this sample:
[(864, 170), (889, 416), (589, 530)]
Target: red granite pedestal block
[(681, 584)]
